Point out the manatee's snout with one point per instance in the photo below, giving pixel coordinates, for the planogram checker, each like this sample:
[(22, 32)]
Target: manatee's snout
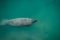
[(33, 21)]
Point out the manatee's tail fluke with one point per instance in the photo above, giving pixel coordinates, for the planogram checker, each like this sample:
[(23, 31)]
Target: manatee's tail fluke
[(3, 22)]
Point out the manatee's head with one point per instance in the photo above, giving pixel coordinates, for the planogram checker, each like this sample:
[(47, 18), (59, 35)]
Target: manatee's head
[(34, 20), (28, 21)]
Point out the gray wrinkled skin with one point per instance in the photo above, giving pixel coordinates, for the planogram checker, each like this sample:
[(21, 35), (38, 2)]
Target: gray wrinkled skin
[(19, 21)]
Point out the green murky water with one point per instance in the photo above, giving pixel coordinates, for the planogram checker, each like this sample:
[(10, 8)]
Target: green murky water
[(45, 11)]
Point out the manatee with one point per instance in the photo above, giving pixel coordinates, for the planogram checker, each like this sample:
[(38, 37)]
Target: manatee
[(19, 22)]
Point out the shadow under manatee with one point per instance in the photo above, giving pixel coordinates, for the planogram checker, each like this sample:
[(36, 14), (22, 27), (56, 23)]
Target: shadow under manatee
[(21, 33)]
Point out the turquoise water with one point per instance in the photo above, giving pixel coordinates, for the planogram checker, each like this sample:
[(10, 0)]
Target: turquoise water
[(45, 11)]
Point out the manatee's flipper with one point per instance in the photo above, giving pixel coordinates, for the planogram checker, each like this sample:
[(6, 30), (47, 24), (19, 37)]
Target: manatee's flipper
[(3, 22)]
